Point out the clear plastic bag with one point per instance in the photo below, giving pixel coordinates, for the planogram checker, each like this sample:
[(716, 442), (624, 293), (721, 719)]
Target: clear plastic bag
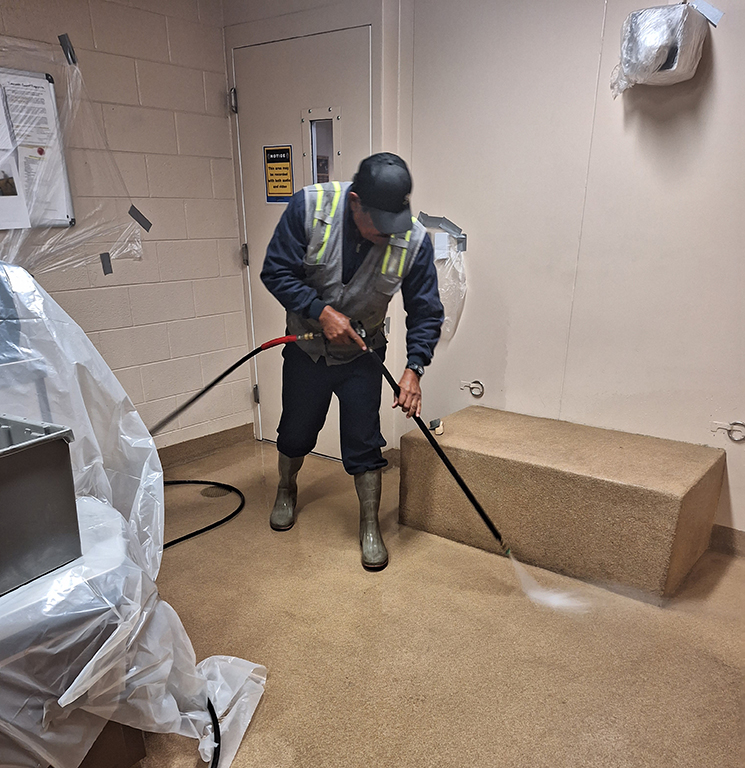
[(449, 243), (451, 279), (50, 154), (659, 46), (93, 641)]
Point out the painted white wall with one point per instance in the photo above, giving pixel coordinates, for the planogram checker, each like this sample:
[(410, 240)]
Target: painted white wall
[(605, 237)]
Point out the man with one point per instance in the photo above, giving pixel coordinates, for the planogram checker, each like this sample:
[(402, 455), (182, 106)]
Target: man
[(338, 255)]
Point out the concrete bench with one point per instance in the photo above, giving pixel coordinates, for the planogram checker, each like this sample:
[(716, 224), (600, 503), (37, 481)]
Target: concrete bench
[(596, 504)]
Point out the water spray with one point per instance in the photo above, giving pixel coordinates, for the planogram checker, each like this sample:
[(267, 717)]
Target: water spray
[(550, 598)]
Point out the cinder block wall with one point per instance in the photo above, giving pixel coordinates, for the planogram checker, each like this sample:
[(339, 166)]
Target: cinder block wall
[(167, 325)]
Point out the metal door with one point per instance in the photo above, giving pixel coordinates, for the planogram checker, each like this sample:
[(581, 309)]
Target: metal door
[(314, 94)]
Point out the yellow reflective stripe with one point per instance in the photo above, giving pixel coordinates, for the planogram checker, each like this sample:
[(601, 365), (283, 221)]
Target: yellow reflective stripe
[(403, 254), (337, 195), (319, 205), (323, 246), (385, 259), (334, 204), (319, 208)]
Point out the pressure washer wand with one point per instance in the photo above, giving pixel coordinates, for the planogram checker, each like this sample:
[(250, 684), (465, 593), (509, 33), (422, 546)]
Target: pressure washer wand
[(445, 460), (266, 345), (396, 389)]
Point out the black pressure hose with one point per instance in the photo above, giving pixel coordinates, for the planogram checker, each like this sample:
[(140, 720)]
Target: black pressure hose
[(446, 461), (266, 345), (359, 329), (211, 483), (438, 450), (171, 416), (396, 390), (232, 489), (216, 733)]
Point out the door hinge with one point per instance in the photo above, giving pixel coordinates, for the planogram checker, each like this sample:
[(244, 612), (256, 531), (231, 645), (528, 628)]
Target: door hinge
[(233, 100), (244, 253), (256, 394)]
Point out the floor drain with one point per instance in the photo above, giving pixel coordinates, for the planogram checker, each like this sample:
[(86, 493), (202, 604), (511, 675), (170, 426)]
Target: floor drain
[(213, 491)]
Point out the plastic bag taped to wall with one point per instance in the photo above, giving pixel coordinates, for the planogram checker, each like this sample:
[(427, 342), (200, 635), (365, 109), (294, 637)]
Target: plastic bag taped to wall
[(659, 46), (63, 201), (92, 640), (451, 279), (449, 243)]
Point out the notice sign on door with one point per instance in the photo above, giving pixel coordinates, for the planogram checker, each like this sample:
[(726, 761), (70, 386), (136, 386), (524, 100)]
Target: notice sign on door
[(278, 174)]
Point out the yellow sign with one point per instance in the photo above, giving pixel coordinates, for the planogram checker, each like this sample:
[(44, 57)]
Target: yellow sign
[(278, 174)]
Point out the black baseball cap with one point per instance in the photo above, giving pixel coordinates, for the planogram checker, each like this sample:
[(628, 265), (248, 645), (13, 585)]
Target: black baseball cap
[(383, 183)]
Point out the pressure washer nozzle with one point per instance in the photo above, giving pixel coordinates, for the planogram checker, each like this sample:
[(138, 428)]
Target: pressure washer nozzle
[(307, 336)]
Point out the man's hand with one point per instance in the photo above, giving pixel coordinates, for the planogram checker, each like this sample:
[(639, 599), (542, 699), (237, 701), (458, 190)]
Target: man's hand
[(337, 328), (410, 396)]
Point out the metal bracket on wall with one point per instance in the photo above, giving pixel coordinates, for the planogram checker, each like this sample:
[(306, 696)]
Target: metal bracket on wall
[(435, 222), (244, 253)]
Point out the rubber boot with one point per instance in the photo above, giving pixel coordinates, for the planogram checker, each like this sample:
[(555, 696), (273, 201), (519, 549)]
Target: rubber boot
[(283, 514), (374, 553)]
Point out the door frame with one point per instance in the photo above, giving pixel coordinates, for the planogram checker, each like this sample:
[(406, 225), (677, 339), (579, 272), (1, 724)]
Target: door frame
[(391, 106)]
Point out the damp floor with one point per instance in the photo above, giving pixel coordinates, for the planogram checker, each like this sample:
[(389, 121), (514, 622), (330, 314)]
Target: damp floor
[(439, 660)]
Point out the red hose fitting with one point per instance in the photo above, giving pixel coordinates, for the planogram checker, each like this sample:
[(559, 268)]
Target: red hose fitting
[(287, 340), (277, 342)]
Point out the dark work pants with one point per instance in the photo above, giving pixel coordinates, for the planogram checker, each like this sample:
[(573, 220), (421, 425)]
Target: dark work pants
[(306, 395)]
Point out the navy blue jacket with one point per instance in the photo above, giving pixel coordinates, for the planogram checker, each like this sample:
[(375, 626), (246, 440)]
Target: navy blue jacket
[(284, 275)]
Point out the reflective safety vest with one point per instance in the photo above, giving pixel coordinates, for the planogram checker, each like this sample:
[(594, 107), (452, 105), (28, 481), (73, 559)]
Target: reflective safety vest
[(366, 296)]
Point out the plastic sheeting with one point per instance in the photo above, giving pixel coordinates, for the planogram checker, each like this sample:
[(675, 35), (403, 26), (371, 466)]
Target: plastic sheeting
[(451, 280), (34, 146), (93, 641), (659, 46)]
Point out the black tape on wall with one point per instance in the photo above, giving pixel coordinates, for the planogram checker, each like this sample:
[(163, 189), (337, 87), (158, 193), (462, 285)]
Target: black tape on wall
[(140, 218), (64, 41)]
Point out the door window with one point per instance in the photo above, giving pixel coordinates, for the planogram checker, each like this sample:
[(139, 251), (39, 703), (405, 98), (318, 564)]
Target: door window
[(322, 150)]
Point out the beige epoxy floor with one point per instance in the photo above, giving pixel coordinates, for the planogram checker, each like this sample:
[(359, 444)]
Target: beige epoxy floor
[(440, 660)]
